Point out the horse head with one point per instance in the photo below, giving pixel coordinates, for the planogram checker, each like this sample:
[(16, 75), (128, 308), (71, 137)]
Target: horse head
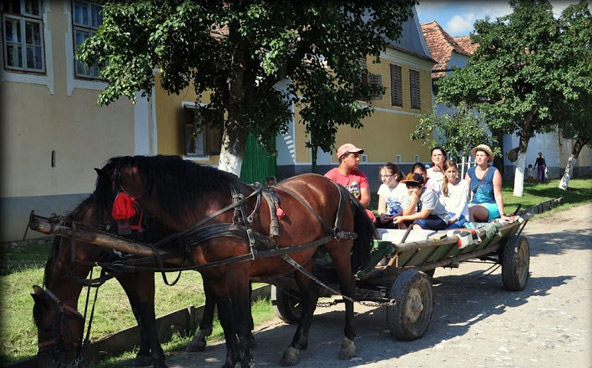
[(59, 330)]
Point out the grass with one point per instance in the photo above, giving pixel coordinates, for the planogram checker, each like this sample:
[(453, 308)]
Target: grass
[(21, 266), (579, 191)]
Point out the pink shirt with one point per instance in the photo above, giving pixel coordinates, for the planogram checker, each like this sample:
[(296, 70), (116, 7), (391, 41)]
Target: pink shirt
[(354, 181)]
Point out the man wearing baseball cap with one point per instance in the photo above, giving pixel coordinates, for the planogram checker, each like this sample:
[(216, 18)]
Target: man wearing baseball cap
[(348, 175)]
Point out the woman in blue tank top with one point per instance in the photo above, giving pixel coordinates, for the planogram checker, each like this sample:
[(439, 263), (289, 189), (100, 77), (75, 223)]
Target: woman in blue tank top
[(485, 182)]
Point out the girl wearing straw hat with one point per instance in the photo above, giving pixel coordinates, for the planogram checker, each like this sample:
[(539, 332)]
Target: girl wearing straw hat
[(485, 182)]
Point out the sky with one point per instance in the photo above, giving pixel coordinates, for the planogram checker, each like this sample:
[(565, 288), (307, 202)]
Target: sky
[(457, 17)]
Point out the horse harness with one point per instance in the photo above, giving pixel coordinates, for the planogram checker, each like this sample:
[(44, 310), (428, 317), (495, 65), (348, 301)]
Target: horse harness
[(64, 311)]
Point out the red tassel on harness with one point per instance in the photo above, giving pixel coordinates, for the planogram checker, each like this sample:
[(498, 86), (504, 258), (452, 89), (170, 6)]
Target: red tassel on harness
[(280, 213), (123, 207)]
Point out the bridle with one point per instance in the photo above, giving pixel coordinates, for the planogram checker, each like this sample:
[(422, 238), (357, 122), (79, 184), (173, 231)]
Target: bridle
[(63, 339)]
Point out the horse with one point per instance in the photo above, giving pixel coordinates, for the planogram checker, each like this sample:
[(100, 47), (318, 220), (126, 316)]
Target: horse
[(231, 236), (60, 325)]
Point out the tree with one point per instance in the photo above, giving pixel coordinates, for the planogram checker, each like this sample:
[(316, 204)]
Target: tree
[(237, 52), (575, 113), (516, 75), (456, 133)]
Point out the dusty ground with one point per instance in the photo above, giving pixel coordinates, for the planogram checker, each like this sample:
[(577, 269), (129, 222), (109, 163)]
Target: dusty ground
[(476, 322)]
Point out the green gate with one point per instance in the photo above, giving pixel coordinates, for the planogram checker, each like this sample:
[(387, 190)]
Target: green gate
[(257, 163)]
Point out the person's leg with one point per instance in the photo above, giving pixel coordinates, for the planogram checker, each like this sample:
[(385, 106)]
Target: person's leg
[(478, 213)]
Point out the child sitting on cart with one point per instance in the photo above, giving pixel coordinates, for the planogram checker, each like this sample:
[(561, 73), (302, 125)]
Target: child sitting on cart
[(421, 207)]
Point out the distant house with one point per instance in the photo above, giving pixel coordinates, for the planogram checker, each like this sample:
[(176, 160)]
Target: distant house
[(455, 52)]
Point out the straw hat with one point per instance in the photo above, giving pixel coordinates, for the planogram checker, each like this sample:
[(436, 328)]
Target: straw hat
[(485, 148)]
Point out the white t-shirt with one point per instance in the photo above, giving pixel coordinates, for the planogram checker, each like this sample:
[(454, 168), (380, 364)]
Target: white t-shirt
[(436, 177), (428, 200), (393, 197), (457, 199)]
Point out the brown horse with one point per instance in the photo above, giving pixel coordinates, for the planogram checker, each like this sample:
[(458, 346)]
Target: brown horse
[(226, 226), (60, 326)]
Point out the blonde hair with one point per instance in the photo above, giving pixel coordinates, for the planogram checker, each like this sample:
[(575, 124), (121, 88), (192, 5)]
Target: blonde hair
[(447, 164)]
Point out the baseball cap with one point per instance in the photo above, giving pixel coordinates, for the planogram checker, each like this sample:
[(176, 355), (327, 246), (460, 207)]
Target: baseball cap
[(413, 179), (348, 148)]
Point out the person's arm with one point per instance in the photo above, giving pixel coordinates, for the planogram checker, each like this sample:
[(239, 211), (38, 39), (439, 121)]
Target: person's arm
[(381, 204), (423, 214), (411, 201), (497, 193), (365, 196)]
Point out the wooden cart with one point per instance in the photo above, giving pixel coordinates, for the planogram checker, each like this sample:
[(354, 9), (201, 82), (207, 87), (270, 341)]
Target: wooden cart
[(406, 278)]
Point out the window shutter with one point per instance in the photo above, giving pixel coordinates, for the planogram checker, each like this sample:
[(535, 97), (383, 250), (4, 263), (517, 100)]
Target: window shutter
[(415, 92), (213, 139), (396, 86), (190, 148)]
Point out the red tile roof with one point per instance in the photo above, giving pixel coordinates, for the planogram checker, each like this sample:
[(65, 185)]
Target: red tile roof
[(441, 46), (466, 44)]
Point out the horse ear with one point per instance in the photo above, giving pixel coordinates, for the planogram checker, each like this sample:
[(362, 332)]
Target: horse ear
[(102, 174)]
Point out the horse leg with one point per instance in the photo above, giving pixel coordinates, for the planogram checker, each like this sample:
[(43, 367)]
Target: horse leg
[(309, 295), (198, 343), (222, 300), (139, 288), (342, 263), (239, 288)]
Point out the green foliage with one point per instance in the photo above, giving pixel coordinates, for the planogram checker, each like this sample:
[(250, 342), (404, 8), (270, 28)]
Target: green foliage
[(574, 113), (457, 133), (520, 72), (239, 51)]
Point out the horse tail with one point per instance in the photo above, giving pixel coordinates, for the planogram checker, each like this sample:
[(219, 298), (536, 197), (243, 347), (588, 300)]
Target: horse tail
[(364, 228)]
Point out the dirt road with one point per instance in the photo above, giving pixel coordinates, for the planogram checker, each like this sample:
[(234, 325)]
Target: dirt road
[(476, 322)]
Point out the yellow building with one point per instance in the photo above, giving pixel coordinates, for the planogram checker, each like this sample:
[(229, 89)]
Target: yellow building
[(54, 134)]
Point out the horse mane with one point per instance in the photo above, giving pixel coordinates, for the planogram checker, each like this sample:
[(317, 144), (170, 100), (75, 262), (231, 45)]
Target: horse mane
[(176, 184), (76, 215)]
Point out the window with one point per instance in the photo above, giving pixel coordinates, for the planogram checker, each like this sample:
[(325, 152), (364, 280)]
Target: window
[(369, 78), (415, 93), (396, 86), (87, 18), (398, 158), (200, 142), (23, 35)]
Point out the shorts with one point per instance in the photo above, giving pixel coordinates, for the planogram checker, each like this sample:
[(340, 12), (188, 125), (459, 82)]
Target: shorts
[(433, 222), (459, 223), (491, 208)]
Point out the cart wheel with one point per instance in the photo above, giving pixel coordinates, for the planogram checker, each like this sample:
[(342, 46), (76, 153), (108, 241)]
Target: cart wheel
[(410, 317), (515, 263), (286, 304)]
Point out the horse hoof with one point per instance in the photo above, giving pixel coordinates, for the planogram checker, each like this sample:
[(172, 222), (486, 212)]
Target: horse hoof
[(348, 349), (142, 361), (196, 345), (291, 357)]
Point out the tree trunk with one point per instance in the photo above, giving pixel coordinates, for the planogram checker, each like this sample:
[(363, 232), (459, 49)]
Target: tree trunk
[(233, 148), (575, 153), (520, 166), (234, 139)]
